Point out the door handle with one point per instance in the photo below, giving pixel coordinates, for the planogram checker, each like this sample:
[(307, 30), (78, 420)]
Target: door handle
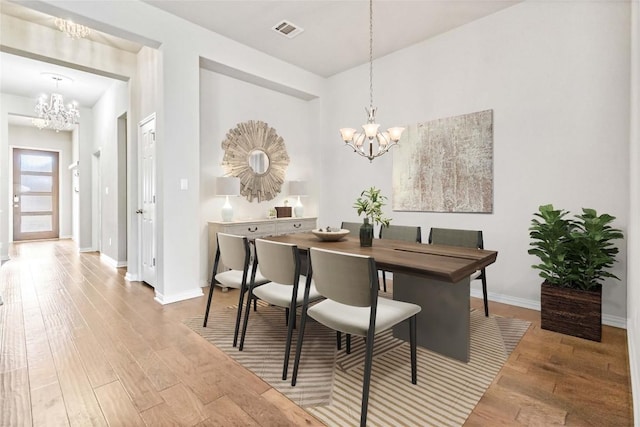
[(139, 211)]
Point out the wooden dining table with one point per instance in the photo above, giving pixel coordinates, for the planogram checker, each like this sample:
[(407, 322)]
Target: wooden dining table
[(436, 277)]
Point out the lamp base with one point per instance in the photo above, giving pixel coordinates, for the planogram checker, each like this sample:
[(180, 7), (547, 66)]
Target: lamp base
[(227, 211), (298, 210)]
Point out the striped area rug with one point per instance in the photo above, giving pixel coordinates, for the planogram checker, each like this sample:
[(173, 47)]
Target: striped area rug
[(330, 381)]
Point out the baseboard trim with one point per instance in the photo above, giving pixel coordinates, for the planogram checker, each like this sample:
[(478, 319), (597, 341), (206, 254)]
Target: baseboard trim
[(168, 299), (132, 277), (607, 319), (86, 250), (108, 260), (633, 366)]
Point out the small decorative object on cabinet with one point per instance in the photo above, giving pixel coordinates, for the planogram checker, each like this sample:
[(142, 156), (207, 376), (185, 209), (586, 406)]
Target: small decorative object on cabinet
[(370, 204), (283, 211), (575, 255)]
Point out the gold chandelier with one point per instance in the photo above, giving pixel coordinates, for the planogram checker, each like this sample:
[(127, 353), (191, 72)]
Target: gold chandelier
[(371, 134)]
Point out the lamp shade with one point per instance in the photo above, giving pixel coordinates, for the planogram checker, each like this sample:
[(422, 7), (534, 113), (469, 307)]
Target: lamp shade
[(228, 186), (297, 188)]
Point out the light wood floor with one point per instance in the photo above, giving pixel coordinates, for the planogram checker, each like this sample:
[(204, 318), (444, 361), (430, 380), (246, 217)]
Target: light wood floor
[(81, 346)]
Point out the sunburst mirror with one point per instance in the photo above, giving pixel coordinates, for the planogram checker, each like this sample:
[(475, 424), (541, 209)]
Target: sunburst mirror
[(255, 153)]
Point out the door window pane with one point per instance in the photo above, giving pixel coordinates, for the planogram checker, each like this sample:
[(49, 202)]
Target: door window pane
[(37, 183), (36, 204), (35, 223), (36, 163)]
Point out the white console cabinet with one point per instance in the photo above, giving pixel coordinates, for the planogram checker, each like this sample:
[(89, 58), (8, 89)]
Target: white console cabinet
[(255, 228)]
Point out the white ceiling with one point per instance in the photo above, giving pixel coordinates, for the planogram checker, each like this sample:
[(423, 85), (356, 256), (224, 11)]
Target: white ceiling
[(336, 33), (335, 36), (24, 77)]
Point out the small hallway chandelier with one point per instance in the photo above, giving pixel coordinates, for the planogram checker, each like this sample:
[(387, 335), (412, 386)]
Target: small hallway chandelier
[(52, 113), (71, 29), (385, 140)]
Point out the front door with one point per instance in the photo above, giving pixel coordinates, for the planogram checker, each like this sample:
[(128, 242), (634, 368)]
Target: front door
[(35, 194)]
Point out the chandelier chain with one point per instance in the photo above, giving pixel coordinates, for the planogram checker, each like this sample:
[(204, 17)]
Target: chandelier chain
[(371, 53), (371, 142)]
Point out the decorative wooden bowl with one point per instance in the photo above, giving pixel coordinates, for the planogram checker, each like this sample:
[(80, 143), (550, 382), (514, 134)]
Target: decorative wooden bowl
[(330, 236)]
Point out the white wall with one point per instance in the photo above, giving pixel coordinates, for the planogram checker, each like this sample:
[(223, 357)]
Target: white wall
[(181, 47), (225, 102), (557, 78), (633, 289), (107, 110), (50, 140)]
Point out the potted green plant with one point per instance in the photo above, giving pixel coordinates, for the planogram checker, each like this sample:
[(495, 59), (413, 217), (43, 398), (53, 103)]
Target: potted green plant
[(575, 255), (370, 204)]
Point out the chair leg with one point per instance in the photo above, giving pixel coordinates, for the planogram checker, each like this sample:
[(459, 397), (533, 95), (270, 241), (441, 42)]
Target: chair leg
[(296, 363), (339, 340), (484, 294), (206, 312), (384, 281), (287, 350), (366, 382), (412, 343), (255, 304), (243, 290), (286, 316), (348, 343), (246, 317)]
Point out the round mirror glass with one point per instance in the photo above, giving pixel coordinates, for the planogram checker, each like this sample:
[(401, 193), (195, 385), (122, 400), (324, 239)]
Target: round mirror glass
[(258, 161)]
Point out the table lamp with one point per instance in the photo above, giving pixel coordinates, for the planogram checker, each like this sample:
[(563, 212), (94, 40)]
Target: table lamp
[(227, 186), (298, 188)]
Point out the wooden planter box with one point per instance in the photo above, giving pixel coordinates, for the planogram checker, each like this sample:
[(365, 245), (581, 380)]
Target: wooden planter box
[(571, 311)]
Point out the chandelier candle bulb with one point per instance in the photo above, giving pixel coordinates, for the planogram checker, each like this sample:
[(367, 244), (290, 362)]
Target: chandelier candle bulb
[(347, 134), (395, 133), (370, 129)]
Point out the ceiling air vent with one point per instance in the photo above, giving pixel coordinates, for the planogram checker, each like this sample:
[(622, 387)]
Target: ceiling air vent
[(287, 29)]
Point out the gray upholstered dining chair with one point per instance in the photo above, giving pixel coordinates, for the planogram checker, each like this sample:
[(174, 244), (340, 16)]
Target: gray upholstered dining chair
[(353, 227), (409, 233), (350, 285), (467, 239), (280, 264), (234, 252)]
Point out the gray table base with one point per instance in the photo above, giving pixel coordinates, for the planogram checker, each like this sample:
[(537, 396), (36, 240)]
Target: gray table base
[(443, 323)]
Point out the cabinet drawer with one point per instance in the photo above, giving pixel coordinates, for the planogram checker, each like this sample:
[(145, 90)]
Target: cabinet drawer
[(249, 229), (296, 225)]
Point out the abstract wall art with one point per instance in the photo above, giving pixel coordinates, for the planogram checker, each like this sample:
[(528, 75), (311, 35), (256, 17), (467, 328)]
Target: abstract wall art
[(445, 165)]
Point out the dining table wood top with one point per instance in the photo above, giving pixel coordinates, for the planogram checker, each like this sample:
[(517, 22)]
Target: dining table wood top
[(441, 262)]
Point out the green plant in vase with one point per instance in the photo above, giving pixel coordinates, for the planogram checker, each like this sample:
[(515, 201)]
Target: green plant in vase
[(370, 204)]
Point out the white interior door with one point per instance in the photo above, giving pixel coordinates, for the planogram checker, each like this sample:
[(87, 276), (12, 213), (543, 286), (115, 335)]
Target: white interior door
[(148, 200)]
